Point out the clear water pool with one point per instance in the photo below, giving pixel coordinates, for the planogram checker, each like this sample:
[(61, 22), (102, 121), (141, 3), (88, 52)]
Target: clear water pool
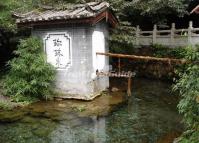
[(150, 116)]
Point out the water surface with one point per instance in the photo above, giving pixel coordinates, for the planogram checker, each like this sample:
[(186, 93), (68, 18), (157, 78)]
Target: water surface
[(149, 116)]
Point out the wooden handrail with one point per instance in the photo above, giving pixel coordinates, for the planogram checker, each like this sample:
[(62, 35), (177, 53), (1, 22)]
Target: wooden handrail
[(146, 58)]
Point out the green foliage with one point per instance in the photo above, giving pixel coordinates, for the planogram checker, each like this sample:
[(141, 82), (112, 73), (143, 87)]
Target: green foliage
[(5, 105), (30, 77), (122, 38), (6, 9), (188, 87), (157, 10), (164, 51), (190, 136)]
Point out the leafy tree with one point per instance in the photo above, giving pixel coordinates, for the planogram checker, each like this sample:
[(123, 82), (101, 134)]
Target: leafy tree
[(149, 12), (30, 77), (6, 9)]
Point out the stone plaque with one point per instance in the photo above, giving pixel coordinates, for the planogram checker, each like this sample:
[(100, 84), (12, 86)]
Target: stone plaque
[(58, 50)]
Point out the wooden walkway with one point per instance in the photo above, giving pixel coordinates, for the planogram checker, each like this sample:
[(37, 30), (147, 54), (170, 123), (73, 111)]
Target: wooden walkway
[(122, 74)]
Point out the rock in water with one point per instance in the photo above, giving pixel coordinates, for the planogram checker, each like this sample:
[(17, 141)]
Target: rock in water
[(114, 89)]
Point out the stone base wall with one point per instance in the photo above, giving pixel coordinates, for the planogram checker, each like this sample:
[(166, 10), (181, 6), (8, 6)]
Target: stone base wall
[(83, 91)]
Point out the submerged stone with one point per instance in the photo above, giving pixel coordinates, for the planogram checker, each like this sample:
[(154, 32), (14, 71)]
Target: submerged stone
[(28, 120), (9, 116), (101, 106), (42, 132)]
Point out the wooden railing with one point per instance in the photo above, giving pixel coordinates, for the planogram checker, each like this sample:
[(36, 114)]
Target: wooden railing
[(130, 74), (171, 37), (144, 58)]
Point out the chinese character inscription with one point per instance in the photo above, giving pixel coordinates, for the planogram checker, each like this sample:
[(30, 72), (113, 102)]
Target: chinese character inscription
[(57, 42), (58, 50)]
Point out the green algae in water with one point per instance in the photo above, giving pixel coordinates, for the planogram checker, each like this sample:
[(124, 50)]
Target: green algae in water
[(149, 117)]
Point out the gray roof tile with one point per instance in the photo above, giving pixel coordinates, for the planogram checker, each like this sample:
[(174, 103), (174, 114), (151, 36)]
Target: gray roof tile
[(78, 11)]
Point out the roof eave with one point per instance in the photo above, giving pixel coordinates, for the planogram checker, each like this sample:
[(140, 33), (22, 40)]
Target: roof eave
[(88, 20), (195, 10)]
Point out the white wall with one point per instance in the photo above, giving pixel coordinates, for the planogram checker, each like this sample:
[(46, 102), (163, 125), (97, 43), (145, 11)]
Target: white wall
[(77, 80), (98, 45)]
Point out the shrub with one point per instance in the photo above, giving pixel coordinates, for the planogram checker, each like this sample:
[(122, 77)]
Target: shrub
[(164, 51), (30, 77), (188, 86)]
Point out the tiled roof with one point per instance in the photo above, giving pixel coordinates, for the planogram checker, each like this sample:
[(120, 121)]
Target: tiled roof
[(80, 11)]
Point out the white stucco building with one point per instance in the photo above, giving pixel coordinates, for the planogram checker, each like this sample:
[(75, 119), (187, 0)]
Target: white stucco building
[(71, 39)]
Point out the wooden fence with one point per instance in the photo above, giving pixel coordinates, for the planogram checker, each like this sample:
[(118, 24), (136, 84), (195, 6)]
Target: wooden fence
[(172, 37)]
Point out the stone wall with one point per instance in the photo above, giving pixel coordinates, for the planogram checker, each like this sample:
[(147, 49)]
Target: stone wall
[(154, 70), (148, 69)]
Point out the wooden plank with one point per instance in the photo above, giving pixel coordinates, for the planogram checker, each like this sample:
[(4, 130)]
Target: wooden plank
[(116, 74), (128, 75)]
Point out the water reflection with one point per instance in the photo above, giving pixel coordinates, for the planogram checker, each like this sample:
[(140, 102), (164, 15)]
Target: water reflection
[(150, 116)]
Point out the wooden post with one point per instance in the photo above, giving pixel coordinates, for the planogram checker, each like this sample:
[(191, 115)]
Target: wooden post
[(119, 65), (190, 32), (173, 33), (154, 34), (129, 87), (137, 34), (107, 16)]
